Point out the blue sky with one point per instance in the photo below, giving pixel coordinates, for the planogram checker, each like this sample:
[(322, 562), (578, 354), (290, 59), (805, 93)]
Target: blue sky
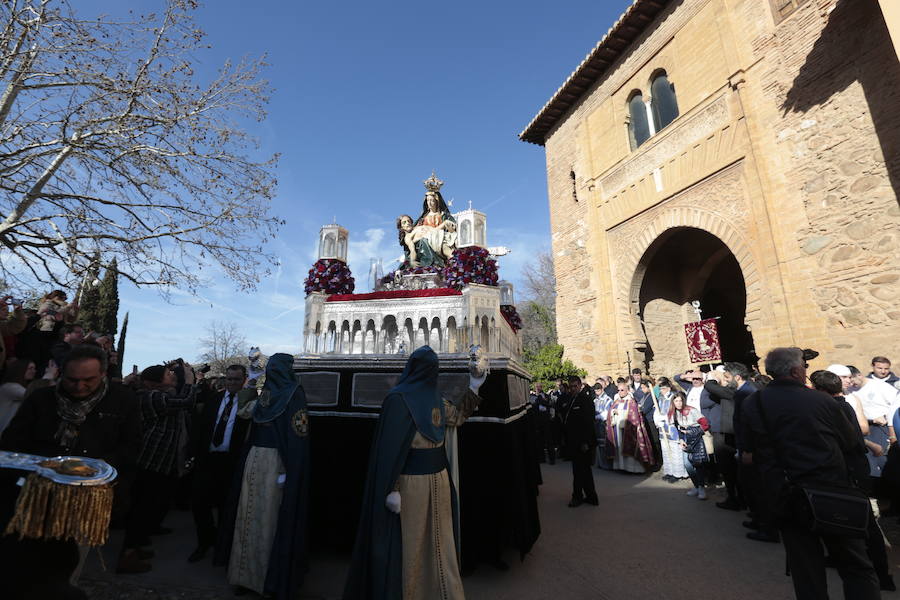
[(369, 97)]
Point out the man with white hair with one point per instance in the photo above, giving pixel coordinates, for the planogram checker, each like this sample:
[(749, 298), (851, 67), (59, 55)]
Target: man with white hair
[(793, 433)]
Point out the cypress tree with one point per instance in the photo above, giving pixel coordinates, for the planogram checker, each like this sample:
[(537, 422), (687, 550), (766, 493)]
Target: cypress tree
[(120, 348), (108, 308), (89, 294)]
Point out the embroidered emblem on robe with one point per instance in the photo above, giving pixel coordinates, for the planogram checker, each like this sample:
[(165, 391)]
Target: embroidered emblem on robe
[(300, 422), (436, 416)]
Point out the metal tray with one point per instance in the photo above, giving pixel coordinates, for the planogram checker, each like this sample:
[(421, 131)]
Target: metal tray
[(29, 462)]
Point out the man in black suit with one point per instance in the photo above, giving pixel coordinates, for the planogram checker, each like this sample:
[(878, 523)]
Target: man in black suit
[(218, 437), (581, 440)]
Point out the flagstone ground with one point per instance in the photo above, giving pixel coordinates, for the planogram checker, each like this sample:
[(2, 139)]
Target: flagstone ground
[(645, 540)]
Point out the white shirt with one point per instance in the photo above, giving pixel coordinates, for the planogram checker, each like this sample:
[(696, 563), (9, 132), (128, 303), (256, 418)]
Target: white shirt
[(226, 441), (878, 399), (693, 396)]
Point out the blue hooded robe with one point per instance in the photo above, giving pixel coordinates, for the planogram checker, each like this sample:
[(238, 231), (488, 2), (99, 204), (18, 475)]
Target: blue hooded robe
[(376, 568)]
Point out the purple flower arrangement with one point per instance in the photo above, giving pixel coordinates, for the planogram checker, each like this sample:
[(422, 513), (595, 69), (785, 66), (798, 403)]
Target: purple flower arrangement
[(470, 265), (331, 276), (421, 270), (511, 315)]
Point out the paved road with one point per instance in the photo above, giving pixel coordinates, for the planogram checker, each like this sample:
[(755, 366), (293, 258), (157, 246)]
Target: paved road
[(645, 540)]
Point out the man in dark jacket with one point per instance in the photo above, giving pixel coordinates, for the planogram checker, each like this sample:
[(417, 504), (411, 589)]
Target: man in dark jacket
[(790, 431), (544, 408), (85, 415), (218, 437), (581, 441), (720, 393)]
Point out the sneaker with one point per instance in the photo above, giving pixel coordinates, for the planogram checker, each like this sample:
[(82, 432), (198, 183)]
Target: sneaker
[(701, 495), (693, 492)]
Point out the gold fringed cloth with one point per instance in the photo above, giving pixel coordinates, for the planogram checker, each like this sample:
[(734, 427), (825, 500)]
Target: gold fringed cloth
[(48, 510)]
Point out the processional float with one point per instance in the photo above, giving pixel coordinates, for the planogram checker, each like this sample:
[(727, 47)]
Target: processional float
[(446, 294)]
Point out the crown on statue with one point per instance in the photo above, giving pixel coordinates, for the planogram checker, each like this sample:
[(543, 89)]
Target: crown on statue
[(433, 184)]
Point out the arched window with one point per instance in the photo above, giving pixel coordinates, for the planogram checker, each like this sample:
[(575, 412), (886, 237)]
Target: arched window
[(638, 126), (663, 103), (465, 233)]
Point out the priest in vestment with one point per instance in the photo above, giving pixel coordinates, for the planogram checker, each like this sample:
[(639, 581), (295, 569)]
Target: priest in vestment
[(627, 444), (265, 550), (407, 543)]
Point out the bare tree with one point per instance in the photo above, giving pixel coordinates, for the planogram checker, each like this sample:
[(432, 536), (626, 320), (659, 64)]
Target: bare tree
[(223, 345), (110, 145), (539, 305)]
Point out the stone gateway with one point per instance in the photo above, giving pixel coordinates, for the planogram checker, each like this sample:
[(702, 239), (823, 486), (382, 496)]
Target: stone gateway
[(740, 153)]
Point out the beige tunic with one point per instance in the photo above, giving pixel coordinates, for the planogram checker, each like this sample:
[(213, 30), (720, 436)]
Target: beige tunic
[(430, 565), (257, 518)]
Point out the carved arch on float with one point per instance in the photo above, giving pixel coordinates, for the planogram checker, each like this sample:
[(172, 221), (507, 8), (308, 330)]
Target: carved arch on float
[(421, 333), (355, 338), (651, 237), (370, 338), (343, 346), (315, 342), (451, 341), (330, 342), (408, 334), (389, 338), (435, 339)]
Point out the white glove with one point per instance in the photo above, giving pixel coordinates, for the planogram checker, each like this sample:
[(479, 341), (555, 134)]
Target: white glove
[(392, 502), (281, 479), (475, 383)]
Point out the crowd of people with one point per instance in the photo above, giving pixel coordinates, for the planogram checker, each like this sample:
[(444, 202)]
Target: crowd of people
[(232, 449), (758, 435), (235, 457), (236, 453)]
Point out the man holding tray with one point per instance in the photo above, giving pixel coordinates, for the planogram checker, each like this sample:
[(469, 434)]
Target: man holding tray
[(85, 415)]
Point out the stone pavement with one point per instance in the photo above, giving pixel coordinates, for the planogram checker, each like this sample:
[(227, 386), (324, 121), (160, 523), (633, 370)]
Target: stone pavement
[(645, 540)]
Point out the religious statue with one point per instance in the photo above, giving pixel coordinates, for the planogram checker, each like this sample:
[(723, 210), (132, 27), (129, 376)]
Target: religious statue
[(431, 240)]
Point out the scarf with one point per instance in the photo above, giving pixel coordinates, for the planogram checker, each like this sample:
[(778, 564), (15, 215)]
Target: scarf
[(74, 412)]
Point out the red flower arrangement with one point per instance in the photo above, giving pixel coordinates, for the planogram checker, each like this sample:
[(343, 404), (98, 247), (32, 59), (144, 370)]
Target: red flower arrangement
[(470, 265), (331, 276), (511, 315)]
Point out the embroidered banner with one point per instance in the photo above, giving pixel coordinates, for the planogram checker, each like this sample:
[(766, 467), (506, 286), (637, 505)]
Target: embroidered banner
[(703, 341)]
